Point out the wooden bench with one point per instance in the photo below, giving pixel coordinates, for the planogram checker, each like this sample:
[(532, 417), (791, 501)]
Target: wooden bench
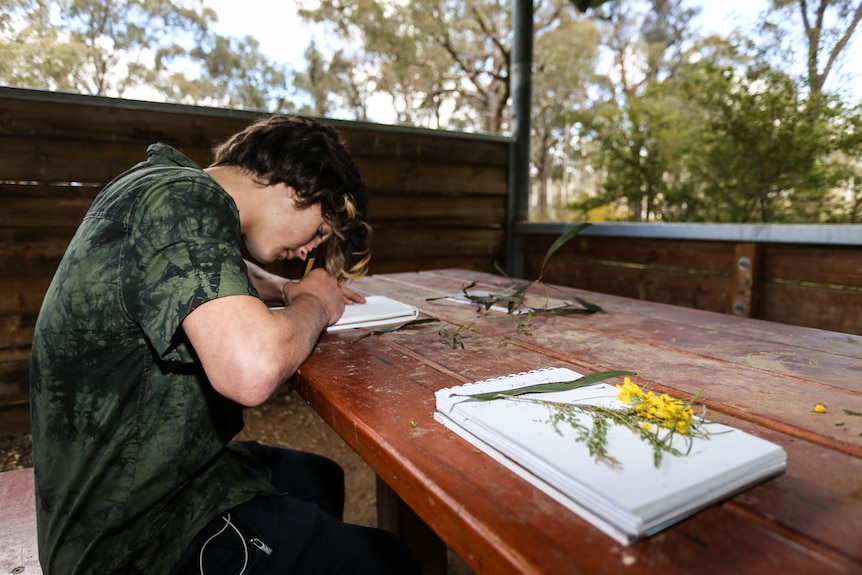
[(19, 552)]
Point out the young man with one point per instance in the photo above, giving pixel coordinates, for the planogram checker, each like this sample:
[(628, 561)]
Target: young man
[(154, 335)]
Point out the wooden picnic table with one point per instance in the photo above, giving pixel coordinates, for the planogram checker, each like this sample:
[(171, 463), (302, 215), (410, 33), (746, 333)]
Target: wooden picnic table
[(765, 378)]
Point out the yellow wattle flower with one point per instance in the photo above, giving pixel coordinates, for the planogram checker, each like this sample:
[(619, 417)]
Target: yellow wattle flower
[(629, 391), (663, 410)]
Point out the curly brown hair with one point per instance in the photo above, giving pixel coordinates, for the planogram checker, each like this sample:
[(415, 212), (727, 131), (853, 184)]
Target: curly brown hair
[(310, 157)]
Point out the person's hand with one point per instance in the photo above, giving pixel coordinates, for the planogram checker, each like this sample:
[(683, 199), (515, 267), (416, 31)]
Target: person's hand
[(320, 285), (350, 296)]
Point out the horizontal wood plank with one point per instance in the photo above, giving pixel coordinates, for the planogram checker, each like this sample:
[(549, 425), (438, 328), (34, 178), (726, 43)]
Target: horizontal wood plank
[(87, 162), (425, 176), (436, 209), (393, 265), (14, 418), (21, 295), (397, 241), (16, 334), (424, 146), (693, 257), (833, 267), (111, 121), (41, 206), (707, 292), (14, 380), (838, 310)]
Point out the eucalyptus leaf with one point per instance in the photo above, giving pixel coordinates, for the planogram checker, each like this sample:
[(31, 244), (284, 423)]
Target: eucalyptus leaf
[(591, 379), (519, 295), (562, 240), (391, 328), (500, 269), (567, 311), (590, 306)]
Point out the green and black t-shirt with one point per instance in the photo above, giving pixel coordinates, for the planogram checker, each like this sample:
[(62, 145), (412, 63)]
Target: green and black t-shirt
[(131, 443)]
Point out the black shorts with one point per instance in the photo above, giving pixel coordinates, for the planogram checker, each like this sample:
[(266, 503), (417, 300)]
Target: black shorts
[(300, 532)]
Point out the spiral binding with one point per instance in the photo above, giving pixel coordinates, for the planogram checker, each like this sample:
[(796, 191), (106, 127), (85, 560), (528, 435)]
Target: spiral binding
[(512, 380)]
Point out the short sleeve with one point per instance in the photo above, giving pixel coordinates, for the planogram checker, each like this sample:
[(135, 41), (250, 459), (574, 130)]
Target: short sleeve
[(184, 250)]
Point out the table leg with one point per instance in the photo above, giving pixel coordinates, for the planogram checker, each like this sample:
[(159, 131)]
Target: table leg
[(396, 517)]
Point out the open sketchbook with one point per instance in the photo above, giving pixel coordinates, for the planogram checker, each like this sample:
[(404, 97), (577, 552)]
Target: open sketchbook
[(377, 311), (627, 501)]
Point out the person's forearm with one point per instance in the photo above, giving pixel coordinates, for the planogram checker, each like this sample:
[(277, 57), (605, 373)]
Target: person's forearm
[(248, 350), (268, 285)]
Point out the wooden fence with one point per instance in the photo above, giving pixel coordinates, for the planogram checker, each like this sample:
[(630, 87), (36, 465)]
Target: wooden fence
[(809, 275), (436, 199)]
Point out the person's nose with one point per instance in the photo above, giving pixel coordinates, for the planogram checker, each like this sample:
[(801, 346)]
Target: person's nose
[(306, 249)]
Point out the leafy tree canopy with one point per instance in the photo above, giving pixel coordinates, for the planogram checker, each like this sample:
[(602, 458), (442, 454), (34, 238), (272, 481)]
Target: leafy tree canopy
[(112, 47), (635, 114)]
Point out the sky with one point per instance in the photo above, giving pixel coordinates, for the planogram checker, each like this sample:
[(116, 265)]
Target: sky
[(283, 36)]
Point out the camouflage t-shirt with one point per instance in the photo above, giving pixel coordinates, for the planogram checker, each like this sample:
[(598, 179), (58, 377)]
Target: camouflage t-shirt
[(130, 442)]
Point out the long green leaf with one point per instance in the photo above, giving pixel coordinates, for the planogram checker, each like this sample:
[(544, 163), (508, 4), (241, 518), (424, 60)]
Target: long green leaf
[(562, 240), (500, 269), (590, 306), (591, 379), (567, 311), (391, 328)]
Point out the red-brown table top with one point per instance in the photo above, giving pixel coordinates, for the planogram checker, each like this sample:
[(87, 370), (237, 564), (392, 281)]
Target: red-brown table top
[(765, 378)]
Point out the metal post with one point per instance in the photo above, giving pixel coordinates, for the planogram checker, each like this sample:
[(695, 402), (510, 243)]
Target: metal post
[(521, 87)]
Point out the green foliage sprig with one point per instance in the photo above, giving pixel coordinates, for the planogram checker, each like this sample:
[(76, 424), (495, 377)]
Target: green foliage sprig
[(512, 302), (655, 419), (512, 298), (391, 328), (453, 337)]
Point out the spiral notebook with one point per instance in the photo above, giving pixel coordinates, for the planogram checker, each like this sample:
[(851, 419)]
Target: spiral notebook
[(628, 501)]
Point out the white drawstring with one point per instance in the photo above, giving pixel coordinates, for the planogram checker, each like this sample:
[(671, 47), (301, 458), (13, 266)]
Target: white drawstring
[(227, 523)]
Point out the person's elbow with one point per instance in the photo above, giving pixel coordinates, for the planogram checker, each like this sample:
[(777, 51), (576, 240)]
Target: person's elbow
[(246, 350), (250, 383)]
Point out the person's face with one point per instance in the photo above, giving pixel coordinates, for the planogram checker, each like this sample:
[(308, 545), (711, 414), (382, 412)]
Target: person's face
[(284, 231)]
